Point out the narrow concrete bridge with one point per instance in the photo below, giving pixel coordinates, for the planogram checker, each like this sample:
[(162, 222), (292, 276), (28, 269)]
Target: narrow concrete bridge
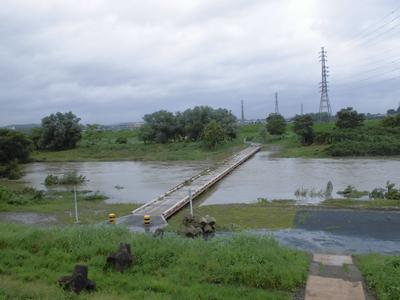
[(167, 204)]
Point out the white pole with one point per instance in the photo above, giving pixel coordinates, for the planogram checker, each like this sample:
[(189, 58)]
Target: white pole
[(191, 202), (76, 207)]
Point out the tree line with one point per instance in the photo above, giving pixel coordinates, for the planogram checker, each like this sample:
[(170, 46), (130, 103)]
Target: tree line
[(201, 123), (60, 131), (349, 137)]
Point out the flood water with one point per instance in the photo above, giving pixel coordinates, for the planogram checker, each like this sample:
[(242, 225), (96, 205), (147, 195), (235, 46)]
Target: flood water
[(122, 182), (262, 176)]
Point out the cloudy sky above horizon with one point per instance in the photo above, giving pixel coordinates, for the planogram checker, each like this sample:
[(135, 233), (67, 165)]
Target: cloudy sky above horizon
[(114, 61)]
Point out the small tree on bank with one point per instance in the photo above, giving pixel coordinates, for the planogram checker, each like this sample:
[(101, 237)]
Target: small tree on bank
[(213, 135), (303, 127), (349, 118), (15, 147), (276, 124), (60, 131)]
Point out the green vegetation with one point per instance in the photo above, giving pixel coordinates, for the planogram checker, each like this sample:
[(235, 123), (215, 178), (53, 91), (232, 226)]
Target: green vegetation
[(58, 132), (349, 118), (356, 203), (163, 126), (382, 274), (15, 148), (213, 135), (231, 217), (276, 124), (303, 127), (71, 178), (238, 267), (351, 192)]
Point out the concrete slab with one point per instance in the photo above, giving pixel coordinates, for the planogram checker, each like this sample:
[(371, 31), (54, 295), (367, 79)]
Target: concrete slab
[(135, 223), (333, 260), (322, 288)]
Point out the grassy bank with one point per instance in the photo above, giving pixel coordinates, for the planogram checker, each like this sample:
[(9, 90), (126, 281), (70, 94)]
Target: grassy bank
[(239, 267), (355, 203), (382, 274), (60, 205), (231, 217), (106, 148)]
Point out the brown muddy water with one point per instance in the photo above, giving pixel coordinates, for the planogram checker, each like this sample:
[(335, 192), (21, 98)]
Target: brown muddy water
[(262, 176)]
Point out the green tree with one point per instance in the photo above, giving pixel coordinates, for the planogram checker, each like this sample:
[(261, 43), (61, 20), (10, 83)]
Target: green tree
[(276, 124), (159, 127), (391, 121), (349, 118), (15, 147), (213, 134), (303, 127), (60, 131)]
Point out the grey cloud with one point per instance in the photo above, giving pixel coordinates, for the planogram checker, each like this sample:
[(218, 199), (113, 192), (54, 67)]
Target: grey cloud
[(113, 61)]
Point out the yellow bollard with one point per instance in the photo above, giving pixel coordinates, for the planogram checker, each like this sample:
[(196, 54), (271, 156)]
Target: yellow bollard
[(146, 220), (111, 218)]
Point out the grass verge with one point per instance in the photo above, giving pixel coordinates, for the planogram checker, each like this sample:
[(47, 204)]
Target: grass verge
[(382, 274), (355, 203), (232, 217), (239, 267)]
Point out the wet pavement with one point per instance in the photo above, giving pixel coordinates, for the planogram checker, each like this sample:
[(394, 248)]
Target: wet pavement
[(28, 218)]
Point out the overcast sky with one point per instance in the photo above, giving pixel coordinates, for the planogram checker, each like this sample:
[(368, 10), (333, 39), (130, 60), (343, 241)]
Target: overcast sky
[(114, 61)]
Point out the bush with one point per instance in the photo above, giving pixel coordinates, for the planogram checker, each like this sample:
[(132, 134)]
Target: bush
[(121, 140), (11, 171), (276, 124), (349, 118), (70, 178), (10, 197)]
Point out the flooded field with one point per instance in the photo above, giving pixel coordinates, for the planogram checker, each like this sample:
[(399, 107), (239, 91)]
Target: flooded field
[(262, 176)]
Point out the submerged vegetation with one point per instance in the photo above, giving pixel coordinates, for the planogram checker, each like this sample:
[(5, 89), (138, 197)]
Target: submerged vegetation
[(171, 268), (70, 178)]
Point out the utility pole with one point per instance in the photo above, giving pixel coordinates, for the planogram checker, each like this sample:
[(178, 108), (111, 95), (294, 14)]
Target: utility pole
[(324, 105), (76, 206), (276, 104), (242, 111)]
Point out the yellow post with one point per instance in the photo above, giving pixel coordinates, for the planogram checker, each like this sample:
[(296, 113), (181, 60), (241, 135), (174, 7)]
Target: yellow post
[(146, 220), (111, 218)]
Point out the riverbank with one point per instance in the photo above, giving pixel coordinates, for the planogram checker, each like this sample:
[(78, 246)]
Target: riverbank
[(29, 206), (170, 268)]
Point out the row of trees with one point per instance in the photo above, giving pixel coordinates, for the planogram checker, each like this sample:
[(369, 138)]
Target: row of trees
[(201, 123), (57, 132)]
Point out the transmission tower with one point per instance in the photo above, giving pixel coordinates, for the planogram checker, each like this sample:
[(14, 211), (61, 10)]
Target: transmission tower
[(242, 111), (301, 109), (276, 104), (324, 105)]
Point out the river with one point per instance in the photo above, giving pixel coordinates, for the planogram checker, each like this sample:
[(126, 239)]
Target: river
[(263, 176)]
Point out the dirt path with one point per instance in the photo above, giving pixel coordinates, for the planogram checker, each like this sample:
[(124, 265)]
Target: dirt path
[(335, 277)]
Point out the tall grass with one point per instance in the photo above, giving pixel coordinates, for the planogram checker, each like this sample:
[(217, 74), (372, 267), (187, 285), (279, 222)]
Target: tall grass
[(240, 267), (382, 273)]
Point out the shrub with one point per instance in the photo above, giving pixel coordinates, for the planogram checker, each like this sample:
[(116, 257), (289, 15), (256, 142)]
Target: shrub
[(276, 124), (69, 178), (121, 140)]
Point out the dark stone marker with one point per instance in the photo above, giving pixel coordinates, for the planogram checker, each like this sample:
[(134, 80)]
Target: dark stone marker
[(120, 260), (78, 281)]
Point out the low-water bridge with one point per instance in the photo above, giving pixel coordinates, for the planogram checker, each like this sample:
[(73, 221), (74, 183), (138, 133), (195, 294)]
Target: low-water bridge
[(167, 204)]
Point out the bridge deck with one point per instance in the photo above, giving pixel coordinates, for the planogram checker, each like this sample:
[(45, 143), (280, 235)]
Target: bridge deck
[(177, 197)]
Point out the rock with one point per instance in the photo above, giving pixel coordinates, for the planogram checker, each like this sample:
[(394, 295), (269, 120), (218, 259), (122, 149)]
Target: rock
[(78, 281), (159, 232), (121, 259)]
